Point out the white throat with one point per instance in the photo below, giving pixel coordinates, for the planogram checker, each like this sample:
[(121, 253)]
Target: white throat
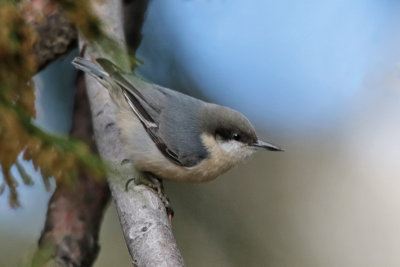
[(234, 150)]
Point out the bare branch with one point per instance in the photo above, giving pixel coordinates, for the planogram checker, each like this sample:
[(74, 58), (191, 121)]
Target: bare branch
[(75, 211), (143, 218)]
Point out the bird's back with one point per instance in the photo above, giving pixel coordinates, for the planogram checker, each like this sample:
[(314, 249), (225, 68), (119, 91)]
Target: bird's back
[(177, 116)]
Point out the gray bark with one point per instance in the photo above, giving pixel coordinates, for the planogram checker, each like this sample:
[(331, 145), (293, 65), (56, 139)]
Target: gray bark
[(146, 227)]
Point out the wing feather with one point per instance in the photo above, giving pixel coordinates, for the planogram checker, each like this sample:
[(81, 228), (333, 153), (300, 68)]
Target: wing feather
[(134, 98)]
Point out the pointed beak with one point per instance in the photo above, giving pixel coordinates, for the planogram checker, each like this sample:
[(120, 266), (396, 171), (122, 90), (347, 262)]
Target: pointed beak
[(267, 146)]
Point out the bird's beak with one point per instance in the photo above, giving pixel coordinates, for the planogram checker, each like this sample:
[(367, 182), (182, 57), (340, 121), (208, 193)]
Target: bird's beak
[(267, 146)]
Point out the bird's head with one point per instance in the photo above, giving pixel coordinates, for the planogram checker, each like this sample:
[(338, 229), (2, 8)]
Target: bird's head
[(233, 132)]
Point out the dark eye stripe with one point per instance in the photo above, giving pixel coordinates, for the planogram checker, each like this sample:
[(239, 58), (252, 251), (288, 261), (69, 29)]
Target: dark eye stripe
[(228, 134), (224, 133)]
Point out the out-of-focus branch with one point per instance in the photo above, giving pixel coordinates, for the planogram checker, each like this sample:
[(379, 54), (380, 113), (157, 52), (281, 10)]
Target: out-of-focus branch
[(143, 218), (134, 15), (75, 211), (56, 35)]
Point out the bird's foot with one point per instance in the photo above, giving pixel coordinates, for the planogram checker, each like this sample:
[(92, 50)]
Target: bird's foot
[(156, 184)]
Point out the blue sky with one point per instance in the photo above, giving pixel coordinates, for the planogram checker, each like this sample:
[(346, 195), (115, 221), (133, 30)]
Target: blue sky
[(276, 61)]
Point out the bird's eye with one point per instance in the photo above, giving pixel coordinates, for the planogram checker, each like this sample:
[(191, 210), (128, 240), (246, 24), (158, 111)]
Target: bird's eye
[(236, 136)]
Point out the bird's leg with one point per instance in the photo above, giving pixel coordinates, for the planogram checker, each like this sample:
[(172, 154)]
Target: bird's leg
[(156, 184)]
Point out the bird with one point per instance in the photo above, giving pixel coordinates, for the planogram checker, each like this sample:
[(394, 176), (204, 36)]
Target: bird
[(171, 135)]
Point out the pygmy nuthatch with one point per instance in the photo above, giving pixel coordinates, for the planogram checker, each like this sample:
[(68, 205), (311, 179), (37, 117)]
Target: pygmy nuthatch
[(171, 135)]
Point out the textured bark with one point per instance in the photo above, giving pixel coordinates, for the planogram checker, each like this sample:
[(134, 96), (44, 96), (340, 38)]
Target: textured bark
[(146, 228), (56, 35), (74, 215)]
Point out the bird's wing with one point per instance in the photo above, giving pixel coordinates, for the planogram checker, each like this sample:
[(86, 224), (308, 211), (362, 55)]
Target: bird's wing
[(135, 99)]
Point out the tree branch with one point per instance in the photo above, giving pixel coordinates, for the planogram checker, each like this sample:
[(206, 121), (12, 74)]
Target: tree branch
[(56, 35), (146, 228), (75, 211), (134, 15), (143, 218)]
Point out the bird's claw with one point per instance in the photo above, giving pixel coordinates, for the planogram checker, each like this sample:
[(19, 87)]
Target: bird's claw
[(157, 185)]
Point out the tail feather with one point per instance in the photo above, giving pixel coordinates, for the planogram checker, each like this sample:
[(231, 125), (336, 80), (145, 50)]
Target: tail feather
[(89, 67), (103, 77)]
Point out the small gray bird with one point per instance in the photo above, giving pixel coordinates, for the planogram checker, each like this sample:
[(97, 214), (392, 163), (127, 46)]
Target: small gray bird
[(171, 135)]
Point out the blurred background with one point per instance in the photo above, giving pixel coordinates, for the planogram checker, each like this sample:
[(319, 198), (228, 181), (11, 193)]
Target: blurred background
[(319, 78)]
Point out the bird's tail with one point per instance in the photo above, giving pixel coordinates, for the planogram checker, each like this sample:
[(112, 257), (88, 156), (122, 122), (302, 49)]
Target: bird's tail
[(103, 73), (89, 67)]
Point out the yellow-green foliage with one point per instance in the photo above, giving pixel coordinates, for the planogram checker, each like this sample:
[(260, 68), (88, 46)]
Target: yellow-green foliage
[(55, 156)]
